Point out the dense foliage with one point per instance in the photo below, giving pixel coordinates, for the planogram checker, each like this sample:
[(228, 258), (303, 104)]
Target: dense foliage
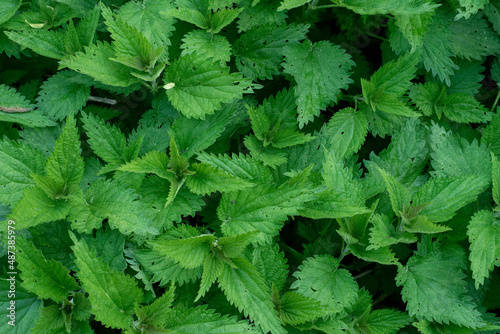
[(250, 166)]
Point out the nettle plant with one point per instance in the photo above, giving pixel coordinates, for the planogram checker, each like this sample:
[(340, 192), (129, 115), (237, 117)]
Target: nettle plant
[(250, 166)]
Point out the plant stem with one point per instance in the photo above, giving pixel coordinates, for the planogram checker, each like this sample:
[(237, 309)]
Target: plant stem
[(496, 101), (102, 100)]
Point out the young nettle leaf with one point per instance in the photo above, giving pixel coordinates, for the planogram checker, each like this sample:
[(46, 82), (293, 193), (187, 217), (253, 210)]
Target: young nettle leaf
[(372, 7), (207, 179), (131, 46), (246, 289), (8, 9), (435, 289), (389, 83), (203, 15), (484, 237), (270, 156), (48, 279), (495, 169), (400, 195), (113, 295), (413, 27), (320, 71), (320, 277), (258, 13), (148, 18), (157, 313), (383, 233), (197, 86), (260, 51), (95, 61), (432, 98), (491, 135), (469, 7), (48, 43), (295, 309)]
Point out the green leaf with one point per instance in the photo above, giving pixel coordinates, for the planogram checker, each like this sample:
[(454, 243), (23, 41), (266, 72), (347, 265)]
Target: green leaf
[(259, 52), (413, 27), (63, 94), (203, 320), (165, 270), (48, 279), (271, 264), (453, 157), (96, 62), (491, 135), (495, 168), (208, 131), (65, 166), (8, 9), (106, 140), (158, 312), (109, 244), (296, 309), (235, 245), (257, 14), (188, 252), (241, 166), (208, 179), (448, 194), (47, 43), (28, 308), (147, 17), (371, 7), (197, 86), (320, 71), (245, 288), (321, 279), (467, 80), (435, 289), (107, 199), (289, 4), (131, 46), (383, 233), (469, 7), (51, 320), (384, 321), (271, 156), (35, 208), (113, 295), (13, 102), (204, 43), (17, 163), (399, 194), (212, 269), (260, 208), (152, 162), (346, 132), (484, 236)]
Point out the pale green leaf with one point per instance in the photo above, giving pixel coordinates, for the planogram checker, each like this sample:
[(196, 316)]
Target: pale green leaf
[(271, 263), (17, 163), (158, 312), (246, 289), (271, 156), (212, 269), (13, 102), (321, 279), (63, 94), (384, 321), (113, 295), (201, 86), (51, 321), (435, 289), (495, 169), (399, 194), (371, 7), (394, 77), (320, 70), (259, 13), (491, 135), (413, 27), (484, 237), (48, 279), (470, 7), (383, 233), (259, 52)]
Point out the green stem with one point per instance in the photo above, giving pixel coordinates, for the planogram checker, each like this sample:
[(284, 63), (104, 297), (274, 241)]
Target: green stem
[(325, 7), (496, 101)]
